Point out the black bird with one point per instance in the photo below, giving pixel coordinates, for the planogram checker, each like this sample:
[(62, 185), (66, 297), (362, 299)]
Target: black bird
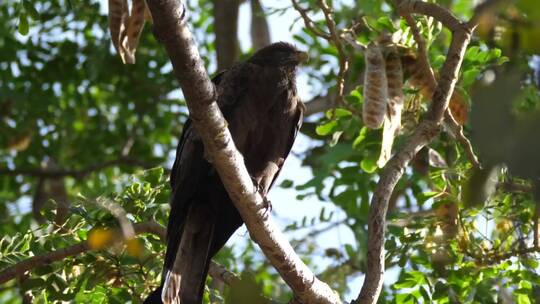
[(259, 101)]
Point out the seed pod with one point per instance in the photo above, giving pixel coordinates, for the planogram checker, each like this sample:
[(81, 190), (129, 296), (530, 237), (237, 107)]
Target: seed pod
[(375, 91), (420, 79), (135, 26), (118, 19), (392, 120)]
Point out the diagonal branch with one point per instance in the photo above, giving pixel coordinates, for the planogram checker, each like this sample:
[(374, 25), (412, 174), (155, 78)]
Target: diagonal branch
[(425, 66), (424, 133), (171, 30), (309, 23)]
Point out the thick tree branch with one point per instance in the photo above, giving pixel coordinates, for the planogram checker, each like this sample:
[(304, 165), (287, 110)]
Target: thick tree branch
[(425, 132), (76, 173), (200, 95)]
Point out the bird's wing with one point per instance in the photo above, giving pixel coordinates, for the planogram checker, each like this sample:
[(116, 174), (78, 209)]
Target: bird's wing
[(299, 118), (189, 169)]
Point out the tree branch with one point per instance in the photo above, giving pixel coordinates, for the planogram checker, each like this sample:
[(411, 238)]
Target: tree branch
[(171, 30), (76, 173), (318, 104), (336, 40), (333, 38), (216, 271), (50, 257), (308, 22), (424, 133), (425, 66)]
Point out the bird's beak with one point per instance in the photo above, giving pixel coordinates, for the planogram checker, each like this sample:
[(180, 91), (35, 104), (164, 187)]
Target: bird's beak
[(301, 57)]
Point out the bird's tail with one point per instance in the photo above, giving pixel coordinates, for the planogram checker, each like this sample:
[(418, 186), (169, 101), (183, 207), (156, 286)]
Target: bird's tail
[(186, 263)]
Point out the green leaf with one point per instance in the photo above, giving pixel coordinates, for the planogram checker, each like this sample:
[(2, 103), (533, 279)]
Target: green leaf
[(523, 299), (351, 253), (23, 24), (438, 61), (354, 97), (469, 76), (472, 53), (337, 113), (32, 283), (286, 183), (335, 138), (360, 138), (30, 9), (326, 128), (154, 175), (502, 60), (385, 23), (369, 164), (494, 54)]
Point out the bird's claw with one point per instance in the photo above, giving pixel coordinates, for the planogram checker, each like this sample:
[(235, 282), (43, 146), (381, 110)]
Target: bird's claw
[(267, 206), (267, 203)]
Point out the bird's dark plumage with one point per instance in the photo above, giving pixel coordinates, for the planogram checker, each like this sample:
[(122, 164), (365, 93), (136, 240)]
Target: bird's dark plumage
[(259, 101)]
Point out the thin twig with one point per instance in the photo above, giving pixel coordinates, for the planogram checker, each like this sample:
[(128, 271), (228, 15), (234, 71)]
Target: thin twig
[(309, 23), (336, 40)]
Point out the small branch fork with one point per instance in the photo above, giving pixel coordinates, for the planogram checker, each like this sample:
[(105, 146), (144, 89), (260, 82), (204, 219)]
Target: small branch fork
[(171, 30), (333, 37), (451, 123), (426, 131)]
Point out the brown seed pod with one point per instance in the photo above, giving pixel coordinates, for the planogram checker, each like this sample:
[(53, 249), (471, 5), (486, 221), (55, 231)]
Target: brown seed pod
[(392, 121), (375, 87), (135, 26), (118, 20), (419, 79)]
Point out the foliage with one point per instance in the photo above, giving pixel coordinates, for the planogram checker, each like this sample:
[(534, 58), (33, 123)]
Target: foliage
[(455, 234)]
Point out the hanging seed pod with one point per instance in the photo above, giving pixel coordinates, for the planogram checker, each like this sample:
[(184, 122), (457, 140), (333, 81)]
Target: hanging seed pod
[(118, 20), (135, 27), (375, 91), (392, 120), (419, 79)]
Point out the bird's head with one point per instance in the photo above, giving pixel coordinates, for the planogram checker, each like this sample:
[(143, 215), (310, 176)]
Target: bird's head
[(280, 54)]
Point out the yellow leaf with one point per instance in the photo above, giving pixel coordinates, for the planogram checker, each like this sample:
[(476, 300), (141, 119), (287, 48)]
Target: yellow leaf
[(100, 238), (134, 247)]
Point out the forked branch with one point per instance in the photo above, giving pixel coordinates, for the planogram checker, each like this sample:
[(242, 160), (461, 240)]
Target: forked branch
[(424, 133)]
